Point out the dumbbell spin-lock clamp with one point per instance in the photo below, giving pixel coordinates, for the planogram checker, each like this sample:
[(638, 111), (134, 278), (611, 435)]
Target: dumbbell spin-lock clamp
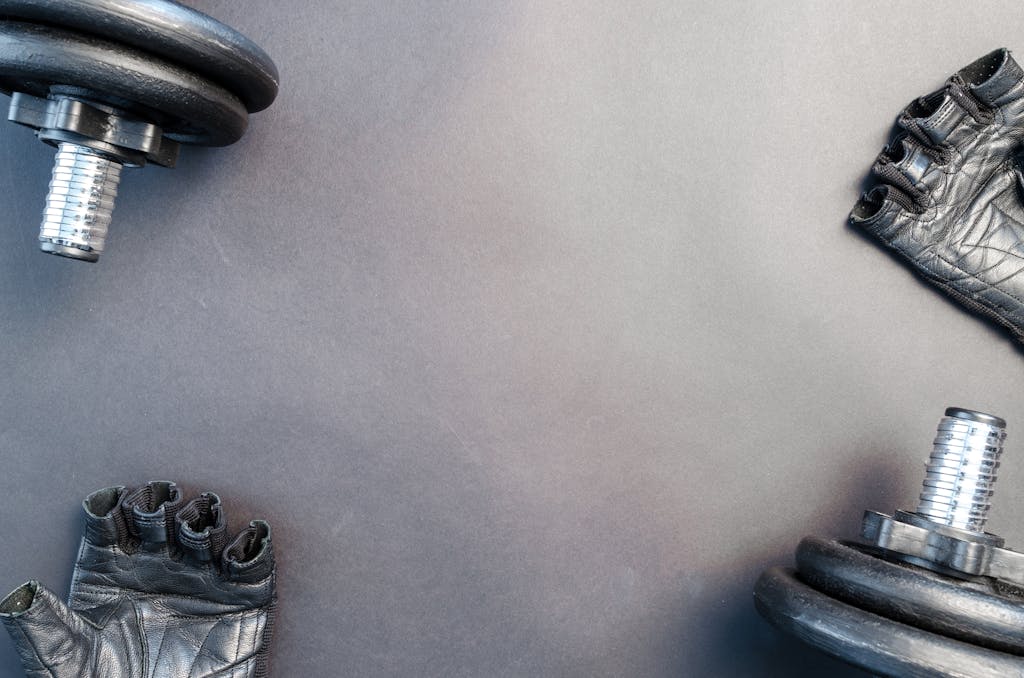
[(114, 84)]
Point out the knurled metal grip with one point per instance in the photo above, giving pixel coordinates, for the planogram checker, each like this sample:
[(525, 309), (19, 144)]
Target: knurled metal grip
[(961, 470), (125, 83)]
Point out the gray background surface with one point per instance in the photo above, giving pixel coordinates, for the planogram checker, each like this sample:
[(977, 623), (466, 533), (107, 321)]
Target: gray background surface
[(534, 328)]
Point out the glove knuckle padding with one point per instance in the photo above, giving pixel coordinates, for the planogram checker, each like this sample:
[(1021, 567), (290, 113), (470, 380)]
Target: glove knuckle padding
[(949, 192), (157, 592)]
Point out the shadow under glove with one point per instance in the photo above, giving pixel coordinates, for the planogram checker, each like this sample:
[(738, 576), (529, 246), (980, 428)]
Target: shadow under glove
[(950, 197), (157, 593)]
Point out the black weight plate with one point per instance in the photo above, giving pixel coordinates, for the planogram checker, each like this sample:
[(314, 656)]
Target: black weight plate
[(962, 610), (171, 31), (33, 58), (874, 643)]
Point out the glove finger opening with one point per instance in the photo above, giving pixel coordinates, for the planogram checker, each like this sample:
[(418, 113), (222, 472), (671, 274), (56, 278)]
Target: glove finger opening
[(105, 523), (150, 511), (250, 556), (20, 599), (894, 174), (994, 79), (981, 70), (925, 106), (879, 201), (903, 164), (931, 120), (202, 528)]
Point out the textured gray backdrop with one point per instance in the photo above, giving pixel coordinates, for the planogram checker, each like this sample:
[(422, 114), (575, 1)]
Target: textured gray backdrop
[(534, 328)]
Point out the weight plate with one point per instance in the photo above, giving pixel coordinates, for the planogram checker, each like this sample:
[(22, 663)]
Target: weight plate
[(875, 643), (193, 110), (171, 31), (968, 611)]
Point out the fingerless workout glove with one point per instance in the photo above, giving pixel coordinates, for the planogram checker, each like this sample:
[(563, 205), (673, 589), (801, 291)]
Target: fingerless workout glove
[(158, 592), (949, 193)]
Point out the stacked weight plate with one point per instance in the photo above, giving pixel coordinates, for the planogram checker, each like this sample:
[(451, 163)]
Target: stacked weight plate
[(160, 61)]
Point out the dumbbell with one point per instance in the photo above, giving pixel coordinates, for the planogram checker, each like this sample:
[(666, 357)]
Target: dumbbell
[(121, 83), (922, 593)]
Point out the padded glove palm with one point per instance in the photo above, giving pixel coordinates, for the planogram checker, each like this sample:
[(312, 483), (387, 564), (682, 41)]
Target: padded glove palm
[(157, 593), (950, 194)]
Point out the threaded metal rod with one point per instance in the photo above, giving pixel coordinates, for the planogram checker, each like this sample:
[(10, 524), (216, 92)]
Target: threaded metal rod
[(961, 471), (80, 203)]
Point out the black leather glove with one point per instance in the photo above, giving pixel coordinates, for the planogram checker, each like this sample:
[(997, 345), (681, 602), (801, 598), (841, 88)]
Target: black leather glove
[(949, 199), (157, 593)]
